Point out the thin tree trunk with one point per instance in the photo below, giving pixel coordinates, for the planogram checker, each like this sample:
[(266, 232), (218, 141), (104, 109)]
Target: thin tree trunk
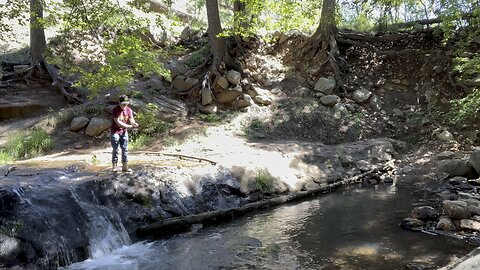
[(218, 45), (38, 44), (240, 20)]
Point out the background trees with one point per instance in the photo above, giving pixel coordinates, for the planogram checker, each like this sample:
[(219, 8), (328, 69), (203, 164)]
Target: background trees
[(103, 44)]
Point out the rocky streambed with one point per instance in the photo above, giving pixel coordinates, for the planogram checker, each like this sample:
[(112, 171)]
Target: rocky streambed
[(454, 210), (55, 217)]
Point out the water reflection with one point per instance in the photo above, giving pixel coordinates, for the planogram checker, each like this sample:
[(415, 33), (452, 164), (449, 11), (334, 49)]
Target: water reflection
[(356, 228)]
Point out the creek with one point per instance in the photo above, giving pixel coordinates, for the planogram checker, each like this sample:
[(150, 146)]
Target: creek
[(352, 228)]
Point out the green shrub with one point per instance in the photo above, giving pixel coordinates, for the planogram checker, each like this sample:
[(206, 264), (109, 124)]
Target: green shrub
[(264, 181), (5, 157), (149, 122), (255, 126), (465, 108), (29, 144), (212, 118), (137, 94), (197, 57), (140, 142)]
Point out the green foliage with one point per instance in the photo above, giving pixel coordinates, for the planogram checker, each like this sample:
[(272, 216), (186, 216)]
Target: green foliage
[(254, 127), (169, 141), (262, 17), (94, 109), (28, 144), (127, 55), (140, 141), (149, 123), (136, 94), (466, 64), (212, 118), (197, 57), (12, 11), (95, 161), (5, 158), (264, 181), (465, 108)]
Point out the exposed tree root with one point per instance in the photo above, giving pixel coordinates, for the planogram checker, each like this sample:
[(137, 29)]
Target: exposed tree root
[(202, 68), (325, 43), (60, 83)]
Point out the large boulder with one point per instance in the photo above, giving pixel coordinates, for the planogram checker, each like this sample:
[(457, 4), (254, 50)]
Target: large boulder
[(474, 160), (207, 96), (221, 83), (445, 224), (244, 102), (325, 85), (176, 68), (456, 209), (361, 95), (375, 102), (425, 213), (456, 167), (412, 224), (180, 83), (470, 224), (234, 77), (229, 95), (263, 99), (78, 123), (97, 126), (330, 100), (169, 109), (446, 136)]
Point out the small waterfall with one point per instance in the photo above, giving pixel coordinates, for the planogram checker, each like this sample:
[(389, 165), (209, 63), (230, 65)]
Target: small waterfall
[(52, 258), (20, 192), (105, 228)]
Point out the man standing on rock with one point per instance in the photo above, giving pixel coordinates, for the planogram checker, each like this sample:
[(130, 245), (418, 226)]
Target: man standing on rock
[(122, 121)]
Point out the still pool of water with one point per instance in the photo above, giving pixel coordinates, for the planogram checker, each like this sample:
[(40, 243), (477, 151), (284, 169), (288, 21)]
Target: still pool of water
[(353, 228)]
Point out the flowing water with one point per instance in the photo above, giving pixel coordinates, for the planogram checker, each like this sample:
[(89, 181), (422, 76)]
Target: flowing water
[(354, 228)]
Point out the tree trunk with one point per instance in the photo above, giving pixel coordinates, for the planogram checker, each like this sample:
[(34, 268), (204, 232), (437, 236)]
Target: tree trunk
[(326, 30), (38, 44), (240, 23), (218, 44), (324, 40)]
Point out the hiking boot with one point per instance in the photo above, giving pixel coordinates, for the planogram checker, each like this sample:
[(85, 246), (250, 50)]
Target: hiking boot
[(114, 167), (125, 167)]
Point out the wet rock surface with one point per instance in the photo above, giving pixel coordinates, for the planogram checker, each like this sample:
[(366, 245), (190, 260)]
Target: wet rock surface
[(55, 217), (454, 210)]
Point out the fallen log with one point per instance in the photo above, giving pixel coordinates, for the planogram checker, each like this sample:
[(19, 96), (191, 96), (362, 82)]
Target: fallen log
[(176, 155), (179, 224)]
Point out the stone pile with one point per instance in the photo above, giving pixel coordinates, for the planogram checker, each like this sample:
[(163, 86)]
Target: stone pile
[(459, 210)]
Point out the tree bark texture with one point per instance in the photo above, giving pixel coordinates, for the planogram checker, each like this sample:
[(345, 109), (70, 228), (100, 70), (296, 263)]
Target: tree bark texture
[(38, 43), (324, 40), (218, 44)]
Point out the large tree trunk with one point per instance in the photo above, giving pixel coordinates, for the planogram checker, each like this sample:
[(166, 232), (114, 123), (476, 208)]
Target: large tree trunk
[(324, 40), (218, 44), (326, 30), (38, 44)]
